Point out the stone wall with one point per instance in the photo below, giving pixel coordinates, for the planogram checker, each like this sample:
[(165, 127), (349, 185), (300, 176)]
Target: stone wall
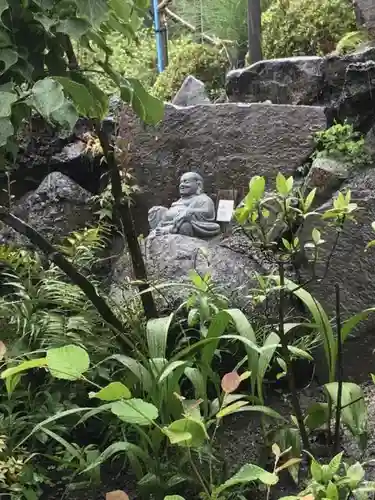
[(226, 143)]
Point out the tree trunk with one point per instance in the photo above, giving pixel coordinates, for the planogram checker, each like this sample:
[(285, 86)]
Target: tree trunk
[(255, 30)]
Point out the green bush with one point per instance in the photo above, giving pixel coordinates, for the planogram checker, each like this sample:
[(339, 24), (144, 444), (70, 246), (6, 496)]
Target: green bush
[(207, 63), (351, 42), (305, 27)]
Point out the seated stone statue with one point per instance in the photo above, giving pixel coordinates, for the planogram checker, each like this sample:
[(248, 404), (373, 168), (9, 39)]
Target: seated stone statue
[(192, 215)]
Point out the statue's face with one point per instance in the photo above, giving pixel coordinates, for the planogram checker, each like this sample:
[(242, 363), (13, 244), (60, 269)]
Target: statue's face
[(188, 185)]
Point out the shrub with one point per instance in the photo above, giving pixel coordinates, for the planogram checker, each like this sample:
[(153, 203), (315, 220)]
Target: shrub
[(351, 42), (207, 63), (305, 27)]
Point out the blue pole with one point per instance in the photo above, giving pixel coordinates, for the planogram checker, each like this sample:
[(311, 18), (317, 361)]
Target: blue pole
[(159, 41)]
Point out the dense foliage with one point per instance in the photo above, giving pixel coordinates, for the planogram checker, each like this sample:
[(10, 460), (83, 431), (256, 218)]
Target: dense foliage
[(305, 27), (207, 63)]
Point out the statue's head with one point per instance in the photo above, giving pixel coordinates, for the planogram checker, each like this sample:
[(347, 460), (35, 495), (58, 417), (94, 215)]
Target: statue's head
[(191, 183)]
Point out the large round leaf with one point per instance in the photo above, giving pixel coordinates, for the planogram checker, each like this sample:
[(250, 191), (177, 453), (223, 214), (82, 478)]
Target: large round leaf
[(186, 432), (68, 362), (135, 411)]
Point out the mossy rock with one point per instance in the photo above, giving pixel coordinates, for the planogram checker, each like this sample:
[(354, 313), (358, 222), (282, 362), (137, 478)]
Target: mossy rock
[(208, 64)]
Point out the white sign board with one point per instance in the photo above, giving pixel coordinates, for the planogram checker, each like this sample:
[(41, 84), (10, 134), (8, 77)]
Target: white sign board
[(225, 210)]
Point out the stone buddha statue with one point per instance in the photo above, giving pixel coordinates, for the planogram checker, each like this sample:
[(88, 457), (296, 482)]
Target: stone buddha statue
[(192, 215)]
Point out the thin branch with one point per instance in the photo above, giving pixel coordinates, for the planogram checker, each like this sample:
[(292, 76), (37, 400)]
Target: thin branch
[(123, 210), (339, 370), (75, 276)]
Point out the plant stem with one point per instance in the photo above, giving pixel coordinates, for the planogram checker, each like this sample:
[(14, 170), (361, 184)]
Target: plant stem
[(196, 472), (125, 215), (340, 368), (288, 362), (75, 276)]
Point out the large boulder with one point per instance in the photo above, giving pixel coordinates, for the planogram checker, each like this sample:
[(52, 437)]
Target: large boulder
[(191, 93), (226, 143), (169, 259), (56, 208), (345, 84)]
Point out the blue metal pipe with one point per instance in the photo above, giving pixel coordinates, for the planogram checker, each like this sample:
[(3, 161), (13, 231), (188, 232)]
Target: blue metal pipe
[(159, 41)]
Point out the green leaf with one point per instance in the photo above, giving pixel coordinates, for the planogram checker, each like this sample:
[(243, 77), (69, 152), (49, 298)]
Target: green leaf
[(317, 416), (316, 471), (6, 101), (112, 392), (23, 367), (148, 108), (187, 432), (6, 131), (80, 95), (45, 21), (135, 411), (232, 408), (68, 363), (199, 382), (309, 200), (353, 321), (266, 410), (247, 474), (299, 353), (12, 382), (335, 463), (281, 184), (9, 58), (3, 7), (174, 497), (170, 368), (256, 187), (66, 115), (74, 28), (113, 449), (137, 369), (355, 473), (122, 8), (96, 11), (142, 4), (354, 413), (332, 492), (47, 96), (157, 335)]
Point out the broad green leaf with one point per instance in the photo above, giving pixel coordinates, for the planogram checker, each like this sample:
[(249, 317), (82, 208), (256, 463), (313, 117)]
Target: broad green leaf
[(354, 412), (80, 95), (45, 21), (137, 369), (281, 184), (355, 473), (199, 382), (317, 415), (256, 187), (135, 411), (149, 108), (6, 101), (6, 131), (192, 432), (335, 463), (170, 368), (157, 335), (309, 199), (68, 363), (95, 11), (299, 353), (99, 97), (66, 115), (289, 463), (332, 492), (8, 57), (266, 410), (12, 382), (122, 8), (143, 4), (47, 96), (74, 28), (113, 449), (316, 471), (289, 439), (3, 7), (265, 358), (112, 392), (247, 474), (173, 497), (320, 319), (25, 366), (232, 408)]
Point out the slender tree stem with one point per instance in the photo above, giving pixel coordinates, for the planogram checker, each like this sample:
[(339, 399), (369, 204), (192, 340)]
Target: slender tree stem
[(125, 215), (340, 369), (288, 362), (75, 276)]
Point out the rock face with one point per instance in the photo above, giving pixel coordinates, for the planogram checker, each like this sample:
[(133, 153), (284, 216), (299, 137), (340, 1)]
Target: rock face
[(58, 207), (326, 175), (169, 258), (226, 143), (191, 93), (345, 84), (350, 266)]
